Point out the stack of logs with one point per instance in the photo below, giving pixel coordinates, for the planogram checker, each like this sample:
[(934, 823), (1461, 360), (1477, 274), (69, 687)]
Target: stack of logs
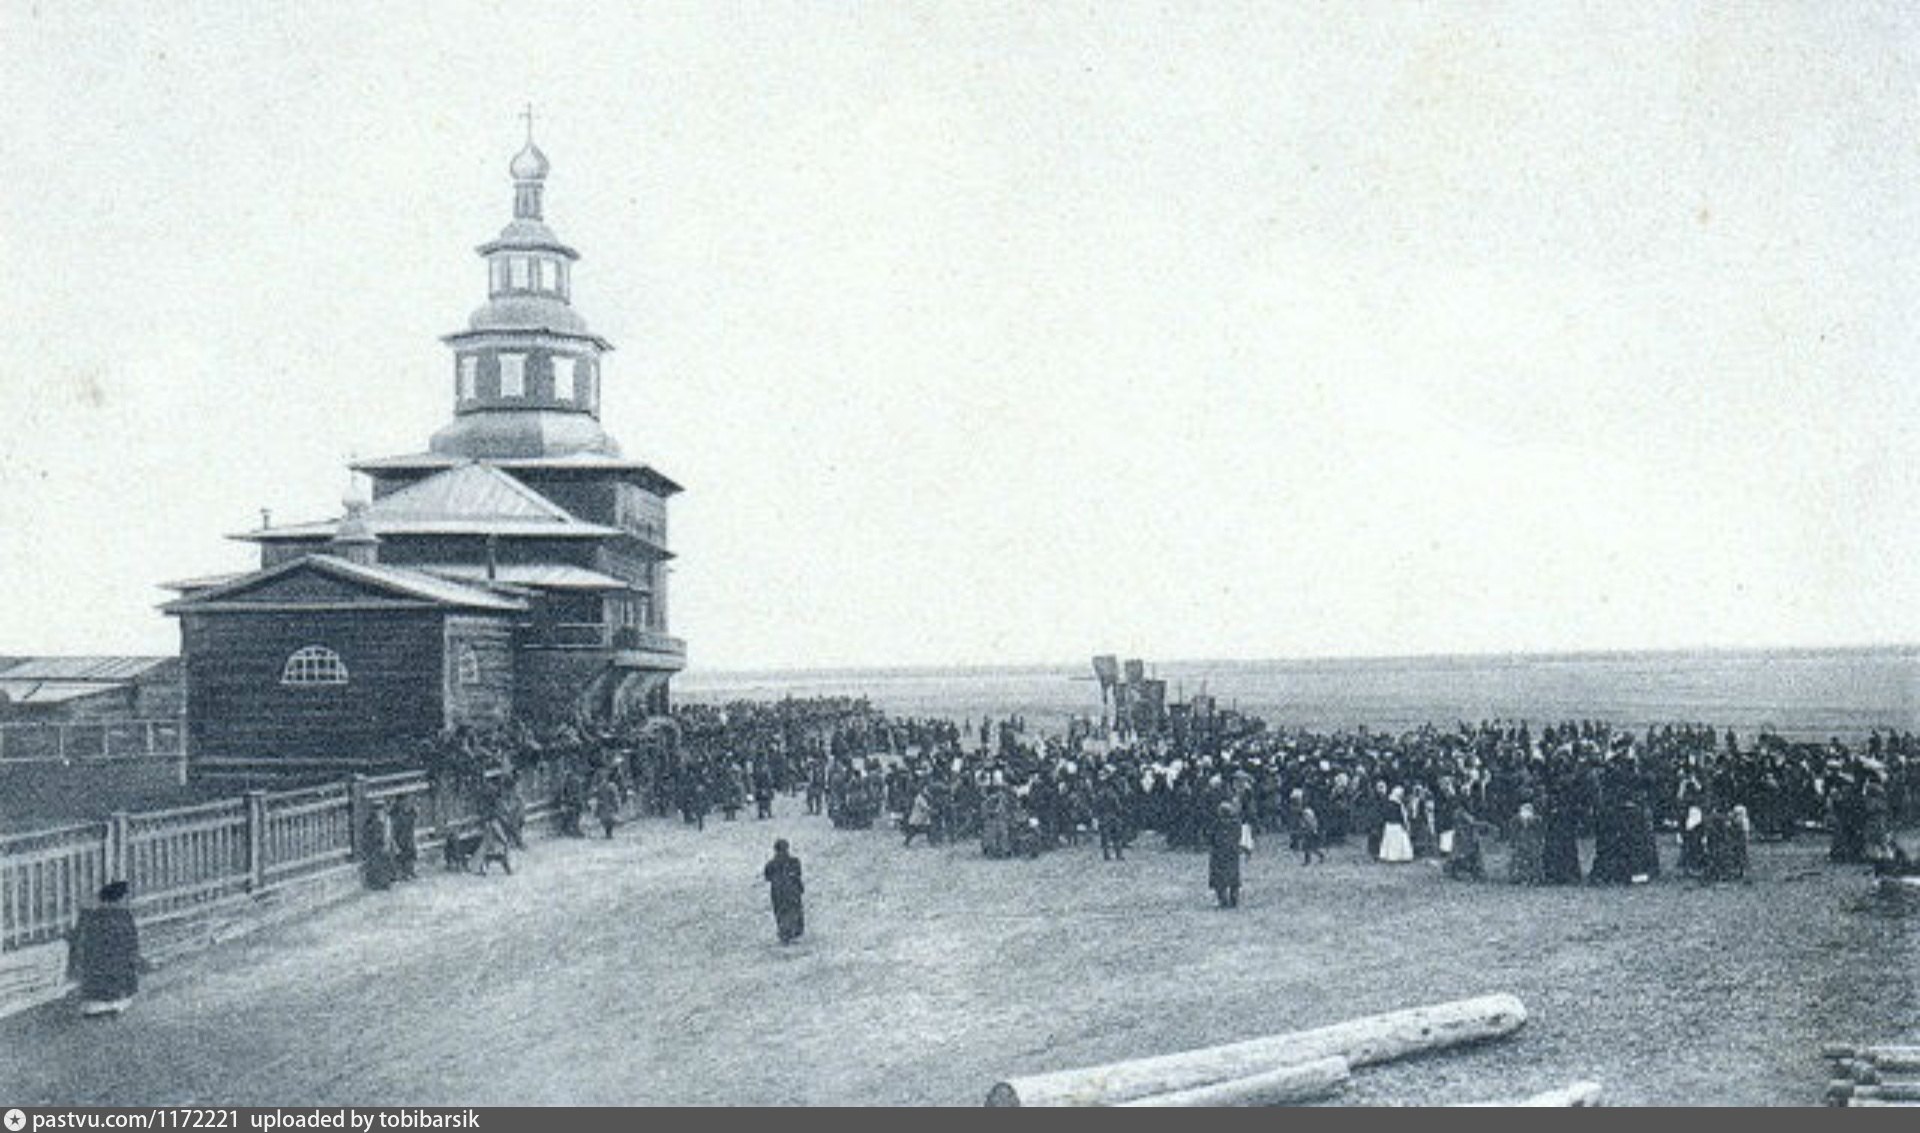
[(1873, 1075), (1282, 1069)]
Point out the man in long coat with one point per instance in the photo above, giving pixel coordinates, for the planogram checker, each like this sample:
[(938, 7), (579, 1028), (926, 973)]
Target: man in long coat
[(105, 953), (783, 879), (1223, 857)]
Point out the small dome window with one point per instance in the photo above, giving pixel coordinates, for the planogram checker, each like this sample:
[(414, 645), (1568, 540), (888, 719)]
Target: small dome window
[(314, 665)]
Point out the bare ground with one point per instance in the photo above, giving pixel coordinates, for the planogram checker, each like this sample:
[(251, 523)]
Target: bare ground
[(644, 971)]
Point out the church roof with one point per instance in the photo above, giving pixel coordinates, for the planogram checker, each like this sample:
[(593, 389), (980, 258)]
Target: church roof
[(543, 576), (495, 434), (572, 462), (200, 582), (394, 582), (467, 498)]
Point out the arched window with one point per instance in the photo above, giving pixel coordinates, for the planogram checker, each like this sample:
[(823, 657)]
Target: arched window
[(468, 664), (314, 665)]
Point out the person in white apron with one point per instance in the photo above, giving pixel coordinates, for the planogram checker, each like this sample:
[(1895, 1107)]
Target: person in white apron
[(1395, 845)]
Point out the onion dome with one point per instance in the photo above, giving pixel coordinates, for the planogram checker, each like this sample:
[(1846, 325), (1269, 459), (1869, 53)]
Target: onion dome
[(529, 164)]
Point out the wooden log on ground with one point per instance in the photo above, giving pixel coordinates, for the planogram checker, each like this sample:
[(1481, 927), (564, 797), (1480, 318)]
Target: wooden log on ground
[(1889, 1092), (1885, 1058), (1837, 1050), (1865, 1103), (1306, 1081), (1362, 1042), (1859, 1070), (1578, 1095)]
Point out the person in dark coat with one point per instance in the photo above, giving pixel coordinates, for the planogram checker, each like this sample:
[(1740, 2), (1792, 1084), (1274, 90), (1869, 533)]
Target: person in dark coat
[(1466, 862), (376, 847), (494, 843), (783, 879), (1561, 859), (606, 806), (1109, 816), (1223, 857), (406, 849), (105, 953), (763, 791)]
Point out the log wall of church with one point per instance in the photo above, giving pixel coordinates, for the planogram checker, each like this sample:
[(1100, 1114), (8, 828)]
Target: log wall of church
[(238, 707)]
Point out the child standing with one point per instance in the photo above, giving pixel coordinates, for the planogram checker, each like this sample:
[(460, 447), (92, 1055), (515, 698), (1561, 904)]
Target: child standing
[(1307, 837)]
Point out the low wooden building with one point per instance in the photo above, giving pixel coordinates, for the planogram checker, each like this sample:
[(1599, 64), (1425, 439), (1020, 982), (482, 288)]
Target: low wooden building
[(322, 662), (64, 690)]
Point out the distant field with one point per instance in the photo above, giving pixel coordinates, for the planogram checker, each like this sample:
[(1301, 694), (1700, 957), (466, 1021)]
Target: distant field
[(1811, 694), (644, 970)]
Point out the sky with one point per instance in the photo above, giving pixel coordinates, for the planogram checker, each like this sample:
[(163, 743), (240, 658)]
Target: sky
[(1015, 332)]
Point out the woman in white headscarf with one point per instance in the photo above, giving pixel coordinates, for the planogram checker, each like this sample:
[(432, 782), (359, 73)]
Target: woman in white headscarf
[(1395, 846)]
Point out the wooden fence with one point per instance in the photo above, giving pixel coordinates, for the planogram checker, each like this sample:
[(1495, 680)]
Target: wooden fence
[(187, 860), (44, 878)]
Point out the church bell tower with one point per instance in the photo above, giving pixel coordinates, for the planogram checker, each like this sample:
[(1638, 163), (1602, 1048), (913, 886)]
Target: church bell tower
[(526, 369)]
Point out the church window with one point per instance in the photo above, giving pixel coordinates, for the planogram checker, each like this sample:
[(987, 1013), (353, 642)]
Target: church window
[(519, 272), (513, 375), (499, 268), (562, 378), (549, 276), (469, 665), (314, 665), (469, 377)]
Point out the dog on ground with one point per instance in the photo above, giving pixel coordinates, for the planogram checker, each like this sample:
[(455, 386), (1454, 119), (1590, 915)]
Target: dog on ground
[(459, 850)]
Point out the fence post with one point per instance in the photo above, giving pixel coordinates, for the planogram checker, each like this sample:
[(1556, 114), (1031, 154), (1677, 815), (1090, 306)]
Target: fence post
[(118, 857), (356, 814), (256, 840)]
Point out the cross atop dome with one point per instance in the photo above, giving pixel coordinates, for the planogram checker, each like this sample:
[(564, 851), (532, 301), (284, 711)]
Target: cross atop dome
[(529, 167)]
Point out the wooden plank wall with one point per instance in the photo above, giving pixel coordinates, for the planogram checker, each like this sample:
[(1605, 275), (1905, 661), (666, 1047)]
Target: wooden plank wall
[(238, 709)]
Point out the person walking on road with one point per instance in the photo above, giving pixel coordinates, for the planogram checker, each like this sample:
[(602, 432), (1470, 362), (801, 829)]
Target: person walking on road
[(783, 878)]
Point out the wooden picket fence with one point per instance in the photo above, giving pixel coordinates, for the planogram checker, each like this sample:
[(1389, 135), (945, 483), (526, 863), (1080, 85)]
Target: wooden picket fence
[(188, 860)]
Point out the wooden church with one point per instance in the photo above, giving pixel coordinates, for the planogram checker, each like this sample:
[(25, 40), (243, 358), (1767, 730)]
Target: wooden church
[(518, 567)]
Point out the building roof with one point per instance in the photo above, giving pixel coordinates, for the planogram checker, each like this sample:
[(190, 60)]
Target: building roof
[(467, 498), (495, 432), (41, 692), (575, 462), (201, 582), (398, 582), (540, 576), (92, 669)]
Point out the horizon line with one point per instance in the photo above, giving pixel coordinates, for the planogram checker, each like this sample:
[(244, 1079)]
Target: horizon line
[(1325, 658)]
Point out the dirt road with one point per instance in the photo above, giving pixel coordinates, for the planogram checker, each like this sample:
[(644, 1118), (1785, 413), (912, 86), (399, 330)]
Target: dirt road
[(644, 970)]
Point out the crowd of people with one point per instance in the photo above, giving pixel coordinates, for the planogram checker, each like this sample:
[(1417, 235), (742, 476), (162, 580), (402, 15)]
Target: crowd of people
[(1214, 779), (1208, 780)]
